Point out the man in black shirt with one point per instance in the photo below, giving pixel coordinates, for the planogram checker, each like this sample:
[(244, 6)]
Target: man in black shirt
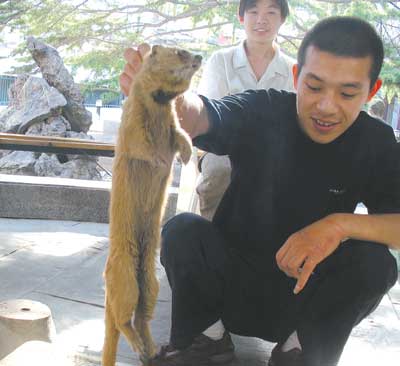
[(285, 257)]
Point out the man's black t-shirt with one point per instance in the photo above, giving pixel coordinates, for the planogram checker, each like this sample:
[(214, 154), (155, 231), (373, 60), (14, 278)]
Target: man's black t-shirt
[(283, 181)]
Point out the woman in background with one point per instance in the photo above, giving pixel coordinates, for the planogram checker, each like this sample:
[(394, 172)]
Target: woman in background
[(256, 63)]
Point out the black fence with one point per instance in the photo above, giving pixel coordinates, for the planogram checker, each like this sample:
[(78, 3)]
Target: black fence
[(108, 98)]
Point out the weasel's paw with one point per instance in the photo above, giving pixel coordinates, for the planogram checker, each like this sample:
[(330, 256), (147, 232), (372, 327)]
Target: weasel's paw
[(185, 153)]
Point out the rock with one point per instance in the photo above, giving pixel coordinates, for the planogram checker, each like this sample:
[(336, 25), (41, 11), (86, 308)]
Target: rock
[(53, 70), (81, 168), (15, 89), (79, 117), (5, 114), (53, 126), (35, 102), (18, 162), (48, 166), (79, 135)]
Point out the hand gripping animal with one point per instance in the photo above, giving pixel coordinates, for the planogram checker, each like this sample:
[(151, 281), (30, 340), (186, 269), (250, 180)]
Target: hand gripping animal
[(149, 138)]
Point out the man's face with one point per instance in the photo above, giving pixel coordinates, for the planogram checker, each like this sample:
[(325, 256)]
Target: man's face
[(262, 21), (331, 91)]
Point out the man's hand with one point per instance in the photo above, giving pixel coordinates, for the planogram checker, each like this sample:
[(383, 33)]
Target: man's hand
[(134, 59), (307, 247)]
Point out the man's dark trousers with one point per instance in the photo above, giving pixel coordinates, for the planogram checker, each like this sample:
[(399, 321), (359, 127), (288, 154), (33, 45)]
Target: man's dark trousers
[(345, 288)]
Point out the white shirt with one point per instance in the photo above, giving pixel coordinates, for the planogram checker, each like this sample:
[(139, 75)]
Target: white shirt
[(228, 71)]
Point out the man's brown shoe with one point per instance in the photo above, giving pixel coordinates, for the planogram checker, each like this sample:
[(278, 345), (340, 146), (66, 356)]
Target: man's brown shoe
[(289, 358), (202, 352)]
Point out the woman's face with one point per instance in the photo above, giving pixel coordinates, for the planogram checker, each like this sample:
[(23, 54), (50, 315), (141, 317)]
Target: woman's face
[(262, 21)]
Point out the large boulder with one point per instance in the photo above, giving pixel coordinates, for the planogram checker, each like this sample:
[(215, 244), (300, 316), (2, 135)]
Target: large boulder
[(18, 162), (83, 168), (54, 71), (14, 91), (48, 166), (56, 126), (35, 102)]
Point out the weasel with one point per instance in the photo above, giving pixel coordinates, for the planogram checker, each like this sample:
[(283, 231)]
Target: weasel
[(149, 138)]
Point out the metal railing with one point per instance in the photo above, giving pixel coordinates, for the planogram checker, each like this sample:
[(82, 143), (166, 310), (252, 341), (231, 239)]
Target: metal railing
[(5, 83)]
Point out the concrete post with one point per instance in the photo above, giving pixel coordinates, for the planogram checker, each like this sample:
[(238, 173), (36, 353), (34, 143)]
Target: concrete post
[(22, 321)]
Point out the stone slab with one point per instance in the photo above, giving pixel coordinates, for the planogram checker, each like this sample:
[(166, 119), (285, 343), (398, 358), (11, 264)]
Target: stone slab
[(51, 198)]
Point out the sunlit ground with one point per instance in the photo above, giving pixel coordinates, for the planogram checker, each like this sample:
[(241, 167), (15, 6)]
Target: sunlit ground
[(80, 260)]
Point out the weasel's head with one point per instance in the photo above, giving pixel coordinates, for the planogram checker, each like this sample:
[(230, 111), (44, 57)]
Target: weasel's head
[(170, 69)]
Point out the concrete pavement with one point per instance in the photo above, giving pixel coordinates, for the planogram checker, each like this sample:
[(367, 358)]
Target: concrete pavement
[(60, 264)]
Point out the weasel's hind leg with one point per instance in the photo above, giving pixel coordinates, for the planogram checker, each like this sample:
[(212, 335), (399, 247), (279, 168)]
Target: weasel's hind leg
[(144, 313)]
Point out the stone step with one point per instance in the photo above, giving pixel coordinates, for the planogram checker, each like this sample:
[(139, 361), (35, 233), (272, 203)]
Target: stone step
[(52, 198)]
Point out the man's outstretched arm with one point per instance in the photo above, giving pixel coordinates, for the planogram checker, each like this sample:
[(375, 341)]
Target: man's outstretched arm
[(309, 246)]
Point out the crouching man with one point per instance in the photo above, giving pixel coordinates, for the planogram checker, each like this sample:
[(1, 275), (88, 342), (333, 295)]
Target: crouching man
[(285, 258)]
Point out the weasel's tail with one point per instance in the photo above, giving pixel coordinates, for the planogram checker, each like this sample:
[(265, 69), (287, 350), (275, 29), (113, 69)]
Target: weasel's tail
[(111, 339)]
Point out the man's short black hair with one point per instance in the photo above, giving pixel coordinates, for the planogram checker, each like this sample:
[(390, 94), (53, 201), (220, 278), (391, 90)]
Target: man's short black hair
[(345, 36), (248, 4)]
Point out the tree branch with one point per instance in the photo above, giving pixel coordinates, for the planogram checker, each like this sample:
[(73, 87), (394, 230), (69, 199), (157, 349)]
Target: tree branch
[(394, 5), (186, 30), (391, 40)]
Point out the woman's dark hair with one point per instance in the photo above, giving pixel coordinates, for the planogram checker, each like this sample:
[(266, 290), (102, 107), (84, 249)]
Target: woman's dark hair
[(344, 36), (248, 4)]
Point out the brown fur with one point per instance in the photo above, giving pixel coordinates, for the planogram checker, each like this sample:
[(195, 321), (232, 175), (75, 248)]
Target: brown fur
[(149, 137)]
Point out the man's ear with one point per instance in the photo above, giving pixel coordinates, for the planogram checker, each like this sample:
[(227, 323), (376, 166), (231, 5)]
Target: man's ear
[(374, 89), (295, 71), (241, 19)]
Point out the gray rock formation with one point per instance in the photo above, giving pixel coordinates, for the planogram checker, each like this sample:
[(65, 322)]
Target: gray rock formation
[(48, 166), (18, 162), (13, 100), (15, 90), (83, 168), (49, 106), (56, 126), (53, 70), (34, 102), (4, 115)]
